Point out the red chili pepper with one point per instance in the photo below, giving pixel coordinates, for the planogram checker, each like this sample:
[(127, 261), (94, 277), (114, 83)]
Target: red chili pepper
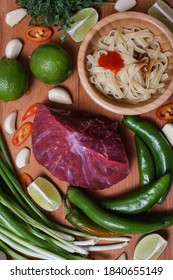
[(26, 180), (165, 112), (38, 33), (22, 134), (30, 111)]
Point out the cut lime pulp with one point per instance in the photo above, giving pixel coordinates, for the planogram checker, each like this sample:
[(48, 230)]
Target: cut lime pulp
[(45, 194), (81, 23), (150, 247)]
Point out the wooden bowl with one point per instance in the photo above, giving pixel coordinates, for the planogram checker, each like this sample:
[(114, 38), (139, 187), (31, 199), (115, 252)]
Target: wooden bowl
[(128, 20)]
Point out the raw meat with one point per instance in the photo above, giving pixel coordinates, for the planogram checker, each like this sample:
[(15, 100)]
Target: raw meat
[(81, 149)]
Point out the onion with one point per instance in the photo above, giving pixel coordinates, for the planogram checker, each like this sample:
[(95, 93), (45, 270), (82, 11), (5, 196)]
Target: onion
[(13, 48), (15, 16), (22, 158), (59, 95), (10, 122), (124, 5)]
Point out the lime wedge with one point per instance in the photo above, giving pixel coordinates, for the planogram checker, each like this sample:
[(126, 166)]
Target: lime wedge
[(162, 12), (45, 194), (150, 247), (81, 22)]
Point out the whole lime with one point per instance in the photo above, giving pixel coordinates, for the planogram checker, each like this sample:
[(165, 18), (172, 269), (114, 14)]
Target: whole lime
[(13, 79), (50, 64)]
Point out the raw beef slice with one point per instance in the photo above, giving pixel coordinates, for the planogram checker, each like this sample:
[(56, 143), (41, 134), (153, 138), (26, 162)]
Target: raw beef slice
[(80, 149)]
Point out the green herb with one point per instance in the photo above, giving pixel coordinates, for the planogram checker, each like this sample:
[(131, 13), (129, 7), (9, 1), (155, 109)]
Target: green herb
[(55, 12)]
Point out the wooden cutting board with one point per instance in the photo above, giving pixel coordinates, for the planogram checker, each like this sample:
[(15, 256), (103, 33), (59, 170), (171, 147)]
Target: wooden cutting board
[(37, 92)]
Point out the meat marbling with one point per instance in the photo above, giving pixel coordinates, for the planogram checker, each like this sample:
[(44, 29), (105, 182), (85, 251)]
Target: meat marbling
[(79, 148)]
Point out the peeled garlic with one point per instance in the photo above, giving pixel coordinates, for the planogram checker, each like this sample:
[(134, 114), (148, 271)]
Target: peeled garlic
[(124, 5), (168, 132), (59, 95), (10, 122), (22, 158), (13, 48), (15, 16)]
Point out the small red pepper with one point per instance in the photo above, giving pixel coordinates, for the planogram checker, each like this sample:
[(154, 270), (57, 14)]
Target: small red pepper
[(165, 112), (26, 180), (22, 134), (38, 33), (30, 111)]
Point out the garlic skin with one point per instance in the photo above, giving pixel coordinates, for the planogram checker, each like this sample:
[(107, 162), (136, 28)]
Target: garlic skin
[(59, 95), (22, 158), (10, 122), (13, 48), (124, 5), (15, 16)]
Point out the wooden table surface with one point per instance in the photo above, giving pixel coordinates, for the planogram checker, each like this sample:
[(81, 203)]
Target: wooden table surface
[(37, 92)]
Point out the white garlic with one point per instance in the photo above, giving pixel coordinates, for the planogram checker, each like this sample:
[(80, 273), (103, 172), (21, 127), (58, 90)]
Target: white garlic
[(168, 132), (15, 16), (10, 122), (22, 158), (13, 48), (124, 5), (59, 95)]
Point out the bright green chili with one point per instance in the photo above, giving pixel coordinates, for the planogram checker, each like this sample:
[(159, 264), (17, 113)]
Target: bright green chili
[(159, 147), (106, 219), (146, 164), (140, 200)]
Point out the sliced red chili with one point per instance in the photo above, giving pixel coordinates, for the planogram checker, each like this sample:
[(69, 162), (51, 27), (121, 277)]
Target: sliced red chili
[(38, 33), (30, 111), (165, 112), (26, 180), (22, 134)]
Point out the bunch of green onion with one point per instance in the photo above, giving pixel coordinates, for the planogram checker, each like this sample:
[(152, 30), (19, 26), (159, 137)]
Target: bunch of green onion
[(25, 232)]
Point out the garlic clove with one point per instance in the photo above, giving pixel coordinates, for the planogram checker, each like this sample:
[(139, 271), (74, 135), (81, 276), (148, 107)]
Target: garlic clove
[(10, 122), (167, 129), (123, 256), (124, 5), (3, 256), (22, 158), (59, 95), (13, 48), (15, 16)]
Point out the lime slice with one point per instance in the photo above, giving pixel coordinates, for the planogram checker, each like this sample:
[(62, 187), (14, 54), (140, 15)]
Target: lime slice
[(150, 247), (81, 23), (162, 12), (45, 194)]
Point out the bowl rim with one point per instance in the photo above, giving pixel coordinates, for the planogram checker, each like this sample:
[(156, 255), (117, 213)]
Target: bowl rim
[(88, 87)]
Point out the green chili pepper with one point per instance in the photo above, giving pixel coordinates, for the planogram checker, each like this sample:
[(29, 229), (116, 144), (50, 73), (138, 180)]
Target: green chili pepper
[(141, 200), (81, 222), (106, 219), (158, 145), (145, 162)]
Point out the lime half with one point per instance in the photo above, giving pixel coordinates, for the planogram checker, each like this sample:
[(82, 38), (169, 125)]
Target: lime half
[(45, 194), (150, 247), (81, 23)]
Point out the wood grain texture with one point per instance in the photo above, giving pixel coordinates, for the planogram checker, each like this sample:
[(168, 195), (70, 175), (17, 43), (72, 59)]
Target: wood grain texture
[(37, 92)]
